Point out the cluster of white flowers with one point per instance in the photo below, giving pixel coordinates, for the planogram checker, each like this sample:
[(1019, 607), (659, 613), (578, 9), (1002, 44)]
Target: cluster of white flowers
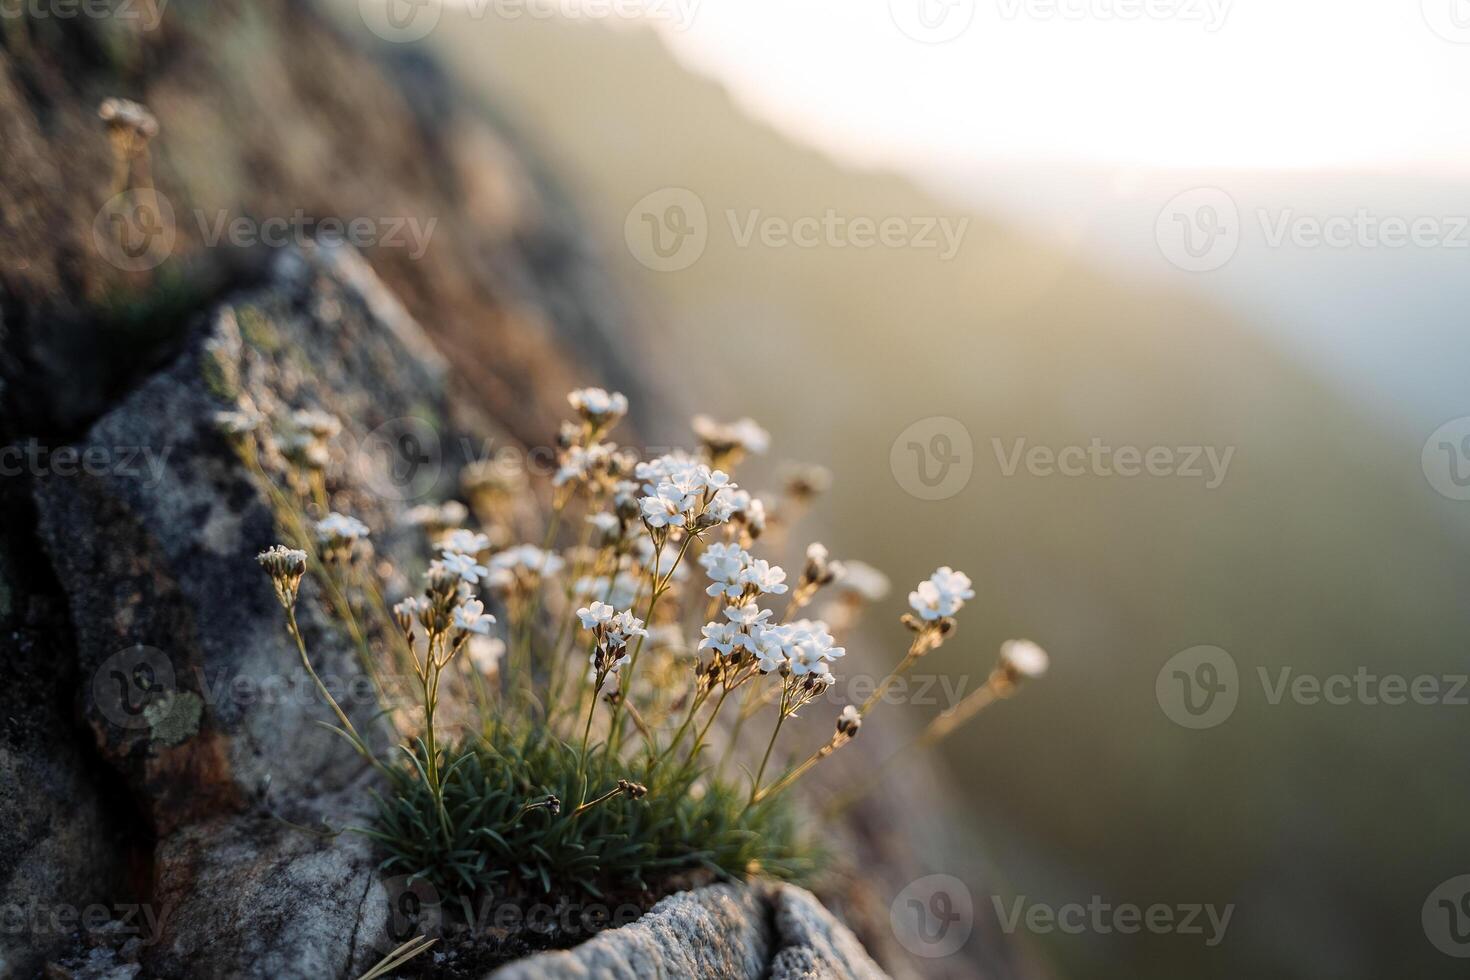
[(611, 630), (941, 594), (680, 492), (598, 406), (800, 648), (522, 565), (721, 438), (618, 590), (463, 542), (435, 518), (735, 574)]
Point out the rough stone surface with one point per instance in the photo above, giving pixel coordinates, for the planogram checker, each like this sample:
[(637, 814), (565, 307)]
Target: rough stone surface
[(731, 932)]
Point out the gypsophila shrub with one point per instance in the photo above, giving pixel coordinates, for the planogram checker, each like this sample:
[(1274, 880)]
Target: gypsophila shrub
[(597, 713)]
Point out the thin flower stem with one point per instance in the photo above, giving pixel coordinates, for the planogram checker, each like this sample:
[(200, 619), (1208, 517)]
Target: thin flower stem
[(914, 653), (348, 728), (936, 731), (755, 787)]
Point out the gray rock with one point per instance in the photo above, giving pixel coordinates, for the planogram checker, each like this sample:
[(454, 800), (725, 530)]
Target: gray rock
[(729, 932), (190, 682)]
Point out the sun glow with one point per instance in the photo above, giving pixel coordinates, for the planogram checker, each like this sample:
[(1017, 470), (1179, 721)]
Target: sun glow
[(1167, 83)]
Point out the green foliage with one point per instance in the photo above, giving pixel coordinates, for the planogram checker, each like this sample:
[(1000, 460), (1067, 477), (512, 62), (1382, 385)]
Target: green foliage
[(686, 823)]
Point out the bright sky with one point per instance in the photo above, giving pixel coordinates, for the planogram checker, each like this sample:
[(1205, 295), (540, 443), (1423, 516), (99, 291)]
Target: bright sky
[(1171, 83)]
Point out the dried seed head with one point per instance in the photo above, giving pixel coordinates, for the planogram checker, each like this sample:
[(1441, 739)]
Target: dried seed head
[(129, 116), (633, 791), (1022, 660), (285, 566)]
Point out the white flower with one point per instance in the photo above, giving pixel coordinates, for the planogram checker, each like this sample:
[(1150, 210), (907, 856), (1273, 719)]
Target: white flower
[(605, 522), (463, 566), (720, 637), (485, 652), (471, 617), (849, 721), (598, 614), (812, 647), (669, 506), (464, 542), (724, 564), (340, 528), (1023, 659), (723, 437), (767, 579), (621, 591), (598, 405), (522, 561), (623, 627), (942, 594), (863, 580), (578, 462), (407, 610), (733, 503)]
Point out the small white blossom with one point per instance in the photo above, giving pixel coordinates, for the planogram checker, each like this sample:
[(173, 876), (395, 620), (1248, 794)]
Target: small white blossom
[(942, 594), (463, 566), (766, 578), (863, 580), (339, 528), (1024, 659), (462, 542), (486, 652), (720, 637), (471, 617), (724, 563), (668, 506), (605, 523), (598, 405), (722, 437), (598, 614)]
